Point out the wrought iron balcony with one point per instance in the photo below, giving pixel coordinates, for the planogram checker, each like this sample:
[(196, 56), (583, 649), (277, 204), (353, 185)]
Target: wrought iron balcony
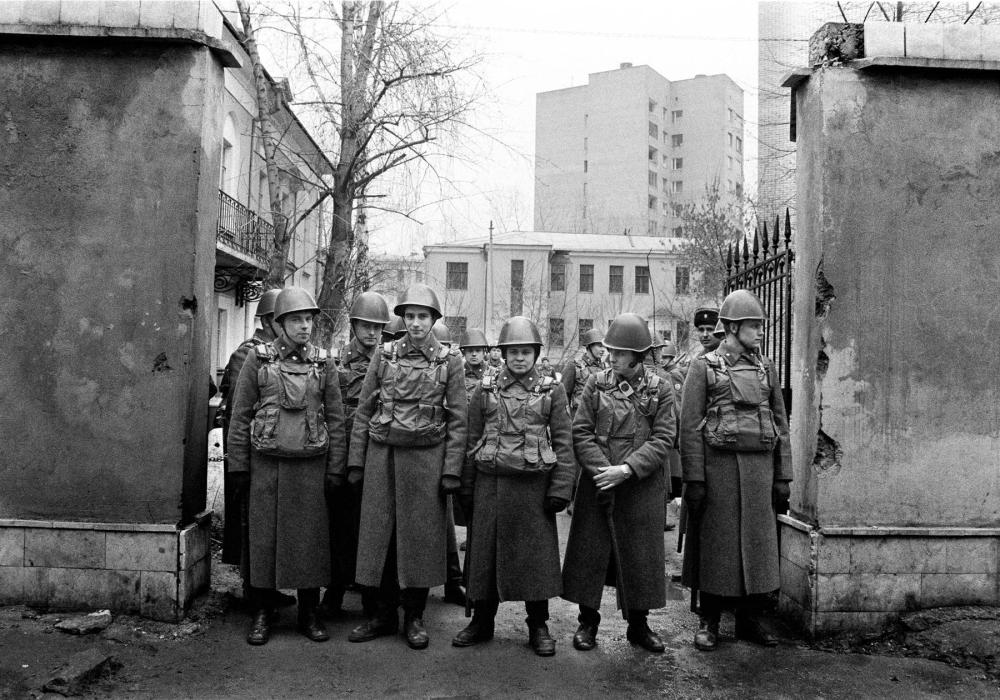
[(244, 230)]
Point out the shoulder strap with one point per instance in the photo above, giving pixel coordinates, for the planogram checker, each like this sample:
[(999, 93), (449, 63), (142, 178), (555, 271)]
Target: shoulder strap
[(265, 352)]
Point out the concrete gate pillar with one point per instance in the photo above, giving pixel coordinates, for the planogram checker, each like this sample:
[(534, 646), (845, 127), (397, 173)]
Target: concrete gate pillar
[(109, 162), (896, 412)]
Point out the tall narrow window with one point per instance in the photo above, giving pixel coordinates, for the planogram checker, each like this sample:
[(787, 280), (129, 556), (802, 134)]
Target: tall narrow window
[(516, 287), (456, 275), (616, 279), (586, 278), (641, 279), (557, 277), (557, 332)]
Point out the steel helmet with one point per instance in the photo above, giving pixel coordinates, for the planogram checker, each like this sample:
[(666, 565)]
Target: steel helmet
[(396, 328), (592, 336), (266, 304), (720, 330), (294, 299), (371, 307), (419, 295), (658, 341), (706, 316), (519, 330), (741, 305), (628, 332), (441, 332), (669, 349), (473, 338)]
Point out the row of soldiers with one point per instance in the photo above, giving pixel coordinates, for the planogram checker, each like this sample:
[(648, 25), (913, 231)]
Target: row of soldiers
[(360, 458)]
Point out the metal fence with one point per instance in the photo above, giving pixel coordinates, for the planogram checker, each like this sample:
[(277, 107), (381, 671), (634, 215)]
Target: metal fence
[(765, 268), (244, 230)]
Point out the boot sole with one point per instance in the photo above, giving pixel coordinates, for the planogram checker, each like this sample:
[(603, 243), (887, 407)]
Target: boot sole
[(369, 637), (470, 643)]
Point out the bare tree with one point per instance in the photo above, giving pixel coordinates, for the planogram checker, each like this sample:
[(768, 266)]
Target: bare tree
[(710, 225)]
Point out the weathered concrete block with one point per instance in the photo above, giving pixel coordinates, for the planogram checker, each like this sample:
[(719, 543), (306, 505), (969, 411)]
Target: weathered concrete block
[(832, 622), (972, 555), (186, 14), (156, 14), (84, 666), (11, 546), (963, 42), (209, 19), (11, 584), (795, 584), (833, 555), (85, 624), (884, 39), (80, 12), (193, 581), (119, 13), (142, 551), (158, 593), (82, 588), (958, 589), (193, 545), (877, 555), (835, 42), (39, 11), (795, 546), (925, 40), (866, 592), (64, 548)]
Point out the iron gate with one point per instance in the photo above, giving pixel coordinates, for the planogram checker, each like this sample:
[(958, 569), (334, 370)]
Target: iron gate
[(765, 268)]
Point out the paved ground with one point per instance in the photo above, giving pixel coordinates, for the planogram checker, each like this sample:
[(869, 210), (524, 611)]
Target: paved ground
[(207, 658)]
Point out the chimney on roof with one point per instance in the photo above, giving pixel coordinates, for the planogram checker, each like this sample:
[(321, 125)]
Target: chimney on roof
[(624, 65)]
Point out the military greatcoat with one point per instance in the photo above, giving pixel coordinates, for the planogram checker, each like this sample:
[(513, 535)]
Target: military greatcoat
[(402, 484), (638, 502), (734, 550), (514, 550), (288, 526)]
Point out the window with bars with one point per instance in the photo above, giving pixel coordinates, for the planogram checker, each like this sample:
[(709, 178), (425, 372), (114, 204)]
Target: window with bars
[(456, 275), (641, 279), (677, 140), (557, 277), (457, 326), (586, 278), (616, 279)]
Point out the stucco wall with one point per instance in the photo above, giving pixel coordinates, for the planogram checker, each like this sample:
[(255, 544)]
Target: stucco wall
[(106, 251), (899, 204)]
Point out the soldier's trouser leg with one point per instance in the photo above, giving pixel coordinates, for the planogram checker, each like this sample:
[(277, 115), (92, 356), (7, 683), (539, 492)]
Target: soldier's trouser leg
[(538, 612), (749, 610), (589, 616), (414, 600), (711, 606), (538, 632)]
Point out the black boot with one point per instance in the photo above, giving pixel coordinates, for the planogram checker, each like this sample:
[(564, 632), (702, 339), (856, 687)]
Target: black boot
[(260, 628), (585, 638), (310, 625), (414, 600), (480, 628), (383, 618), (639, 633), (539, 638), (707, 636), (453, 590), (749, 623)]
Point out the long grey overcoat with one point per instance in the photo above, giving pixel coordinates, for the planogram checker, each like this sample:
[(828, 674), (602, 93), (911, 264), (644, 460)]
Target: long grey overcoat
[(288, 526), (514, 546), (402, 485), (733, 548), (638, 509)]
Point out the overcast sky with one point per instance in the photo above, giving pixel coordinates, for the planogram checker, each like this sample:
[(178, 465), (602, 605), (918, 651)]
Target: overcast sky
[(537, 45)]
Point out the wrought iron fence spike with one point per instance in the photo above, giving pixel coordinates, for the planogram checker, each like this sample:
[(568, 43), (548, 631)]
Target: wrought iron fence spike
[(777, 233), (756, 247), (788, 228), (764, 240)]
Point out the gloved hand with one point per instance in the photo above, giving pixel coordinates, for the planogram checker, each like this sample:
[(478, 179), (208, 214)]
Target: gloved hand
[(555, 505), (241, 485), (694, 496), (450, 484), (465, 502), (780, 492)]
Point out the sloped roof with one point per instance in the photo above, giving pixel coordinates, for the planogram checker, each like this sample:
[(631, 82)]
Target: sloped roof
[(572, 241)]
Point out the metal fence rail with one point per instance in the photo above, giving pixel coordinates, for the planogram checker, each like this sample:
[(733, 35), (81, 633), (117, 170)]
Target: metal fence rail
[(765, 268), (244, 230)]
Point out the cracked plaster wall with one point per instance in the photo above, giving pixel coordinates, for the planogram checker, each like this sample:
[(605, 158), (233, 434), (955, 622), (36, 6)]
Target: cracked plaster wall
[(896, 414), (108, 177)]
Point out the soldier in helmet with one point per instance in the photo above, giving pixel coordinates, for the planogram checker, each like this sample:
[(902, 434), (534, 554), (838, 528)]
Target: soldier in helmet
[(286, 441), (474, 347), (394, 330), (621, 432), (519, 474), (234, 526), (737, 467), (408, 447), (576, 373), (442, 333), (368, 316), (496, 358)]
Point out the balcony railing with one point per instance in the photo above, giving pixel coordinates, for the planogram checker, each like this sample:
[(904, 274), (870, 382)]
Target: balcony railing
[(244, 230)]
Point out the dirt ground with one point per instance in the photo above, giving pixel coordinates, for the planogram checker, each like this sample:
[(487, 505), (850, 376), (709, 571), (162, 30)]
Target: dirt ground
[(207, 657)]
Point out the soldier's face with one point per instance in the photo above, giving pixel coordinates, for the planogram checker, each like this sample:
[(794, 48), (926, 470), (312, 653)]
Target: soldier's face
[(597, 350), (367, 333), (474, 356), (707, 338), (750, 334), (495, 353), (520, 358), (621, 362), (298, 327), (418, 322)]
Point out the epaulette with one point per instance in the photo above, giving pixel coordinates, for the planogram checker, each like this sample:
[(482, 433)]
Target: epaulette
[(547, 384), (265, 352)]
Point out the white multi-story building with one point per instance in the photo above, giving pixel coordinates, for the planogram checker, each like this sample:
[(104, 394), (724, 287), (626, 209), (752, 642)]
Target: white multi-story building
[(624, 151)]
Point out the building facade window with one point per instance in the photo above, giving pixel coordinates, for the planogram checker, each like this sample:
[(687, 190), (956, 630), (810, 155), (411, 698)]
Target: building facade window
[(739, 145), (652, 178), (652, 107), (641, 279), (677, 140), (557, 277), (584, 166), (676, 115), (456, 275), (652, 228), (616, 279), (652, 202), (586, 278), (654, 130), (730, 139), (678, 232), (652, 154), (557, 332), (582, 326), (682, 280), (677, 164), (456, 325), (516, 287), (677, 186)]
